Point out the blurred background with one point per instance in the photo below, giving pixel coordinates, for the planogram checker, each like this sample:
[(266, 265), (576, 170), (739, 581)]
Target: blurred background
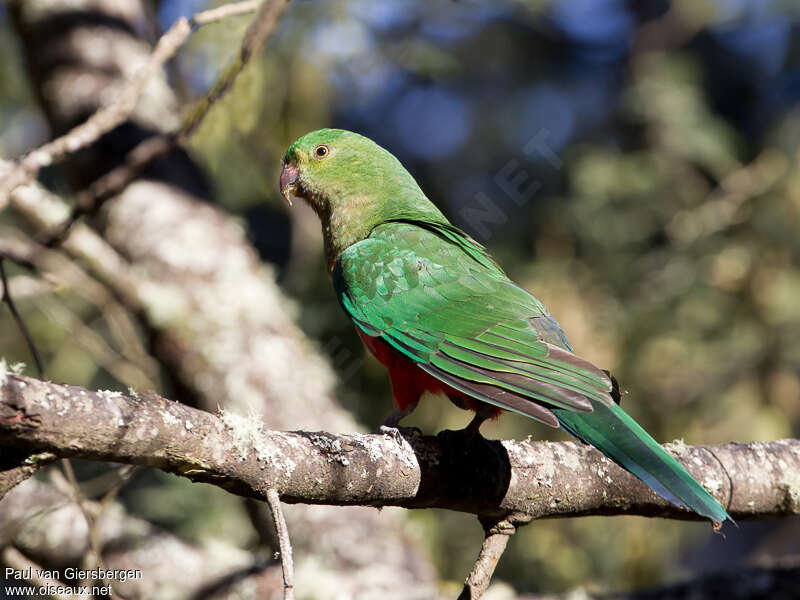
[(634, 164)]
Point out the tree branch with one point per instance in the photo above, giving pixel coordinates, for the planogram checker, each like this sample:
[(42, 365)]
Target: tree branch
[(103, 121), (43, 521), (140, 157), (8, 299), (285, 544), (498, 533), (492, 479), (17, 465), (115, 113)]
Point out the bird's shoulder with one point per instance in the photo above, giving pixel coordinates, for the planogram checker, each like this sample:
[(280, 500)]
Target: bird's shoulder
[(404, 256)]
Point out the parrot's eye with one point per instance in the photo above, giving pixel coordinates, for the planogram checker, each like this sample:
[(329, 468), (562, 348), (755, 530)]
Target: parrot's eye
[(321, 151)]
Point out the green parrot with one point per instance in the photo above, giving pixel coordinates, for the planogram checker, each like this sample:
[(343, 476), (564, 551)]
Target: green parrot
[(433, 307)]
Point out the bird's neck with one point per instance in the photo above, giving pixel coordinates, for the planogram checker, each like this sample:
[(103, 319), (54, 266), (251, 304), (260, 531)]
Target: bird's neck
[(348, 221), (345, 226)]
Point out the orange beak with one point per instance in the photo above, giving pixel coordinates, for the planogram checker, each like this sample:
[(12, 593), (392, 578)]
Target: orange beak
[(289, 176)]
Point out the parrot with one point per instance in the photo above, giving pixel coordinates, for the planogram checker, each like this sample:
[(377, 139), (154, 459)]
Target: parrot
[(431, 304)]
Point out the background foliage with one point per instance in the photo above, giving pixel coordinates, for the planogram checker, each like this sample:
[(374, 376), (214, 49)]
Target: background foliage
[(659, 224)]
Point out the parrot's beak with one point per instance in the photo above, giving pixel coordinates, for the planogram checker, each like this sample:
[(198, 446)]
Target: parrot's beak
[(289, 176)]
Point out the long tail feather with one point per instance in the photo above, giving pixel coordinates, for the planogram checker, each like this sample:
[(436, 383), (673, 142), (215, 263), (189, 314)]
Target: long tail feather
[(620, 438)]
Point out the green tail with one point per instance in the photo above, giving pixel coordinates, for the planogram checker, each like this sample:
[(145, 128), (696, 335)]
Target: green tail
[(622, 440)]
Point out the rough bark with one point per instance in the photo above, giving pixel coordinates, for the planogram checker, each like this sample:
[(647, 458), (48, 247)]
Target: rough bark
[(513, 480)]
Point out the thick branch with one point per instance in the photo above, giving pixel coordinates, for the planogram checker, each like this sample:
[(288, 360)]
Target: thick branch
[(491, 479)]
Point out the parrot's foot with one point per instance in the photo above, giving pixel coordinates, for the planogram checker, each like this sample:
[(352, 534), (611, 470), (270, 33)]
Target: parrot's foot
[(471, 433), (473, 428), (399, 433), (394, 419), (463, 440), (390, 426)]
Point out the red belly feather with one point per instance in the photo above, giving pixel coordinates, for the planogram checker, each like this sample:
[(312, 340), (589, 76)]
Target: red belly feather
[(409, 382)]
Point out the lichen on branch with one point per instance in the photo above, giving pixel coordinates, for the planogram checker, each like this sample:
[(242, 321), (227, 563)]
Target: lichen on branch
[(493, 479)]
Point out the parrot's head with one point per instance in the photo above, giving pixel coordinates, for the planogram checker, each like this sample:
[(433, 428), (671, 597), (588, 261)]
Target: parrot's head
[(353, 185)]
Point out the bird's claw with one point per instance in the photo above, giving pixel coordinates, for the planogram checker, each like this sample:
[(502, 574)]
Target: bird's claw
[(399, 433)]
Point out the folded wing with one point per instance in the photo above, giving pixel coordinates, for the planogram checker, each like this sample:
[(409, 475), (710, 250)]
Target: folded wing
[(464, 322)]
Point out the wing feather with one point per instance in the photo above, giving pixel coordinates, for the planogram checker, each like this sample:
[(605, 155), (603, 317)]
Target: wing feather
[(458, 316)]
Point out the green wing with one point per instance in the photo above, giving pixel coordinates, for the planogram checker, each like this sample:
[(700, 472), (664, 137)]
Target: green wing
[(435, 296)]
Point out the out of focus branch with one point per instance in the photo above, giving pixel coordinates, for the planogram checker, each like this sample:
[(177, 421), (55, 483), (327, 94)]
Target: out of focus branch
[(260, 29), (11, 557), (46, 211), (42, 520), (110, 116), (103, 121), (493, 479), (8, 299), (153, 148), (130, 364)]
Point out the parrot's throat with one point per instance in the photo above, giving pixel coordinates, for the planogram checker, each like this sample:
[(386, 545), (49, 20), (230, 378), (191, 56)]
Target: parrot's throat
[(344, 223)]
